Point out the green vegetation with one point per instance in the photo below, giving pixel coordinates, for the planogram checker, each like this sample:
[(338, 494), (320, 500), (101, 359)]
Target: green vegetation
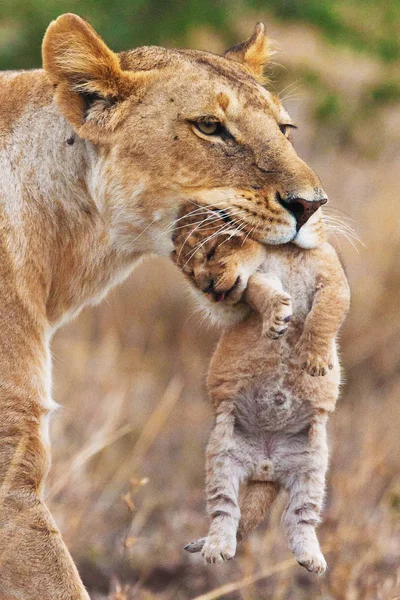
[(329, 108), (369, 26), (386, 92)]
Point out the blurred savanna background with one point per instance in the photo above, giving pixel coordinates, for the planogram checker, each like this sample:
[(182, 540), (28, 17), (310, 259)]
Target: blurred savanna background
[(126, 485)]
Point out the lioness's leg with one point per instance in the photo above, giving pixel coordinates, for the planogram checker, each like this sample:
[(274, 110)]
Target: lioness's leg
[(34, 562)]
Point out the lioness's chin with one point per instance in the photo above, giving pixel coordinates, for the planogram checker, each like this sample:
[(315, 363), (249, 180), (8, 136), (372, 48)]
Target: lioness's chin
[(308, 239), (285, 237), (312, 234)]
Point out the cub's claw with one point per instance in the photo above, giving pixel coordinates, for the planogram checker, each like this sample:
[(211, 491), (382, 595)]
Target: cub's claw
[(196, 546), (218, 548), (313, 563), (315, 359), (316, 367), (214, 548), (279, 315)]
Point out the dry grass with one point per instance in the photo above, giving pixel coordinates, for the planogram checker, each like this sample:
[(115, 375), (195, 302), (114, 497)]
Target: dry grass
[(126, 485)]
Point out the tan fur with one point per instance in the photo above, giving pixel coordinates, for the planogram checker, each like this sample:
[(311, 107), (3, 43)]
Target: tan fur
[(254, 53), (273, 379), (98, 151)]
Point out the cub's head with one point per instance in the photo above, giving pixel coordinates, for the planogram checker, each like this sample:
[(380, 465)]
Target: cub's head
[(214, 257), (172, 126), (217, 260)]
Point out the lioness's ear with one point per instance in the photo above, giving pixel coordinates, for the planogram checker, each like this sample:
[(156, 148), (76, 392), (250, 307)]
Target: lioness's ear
[(254, 53), (86, 73)]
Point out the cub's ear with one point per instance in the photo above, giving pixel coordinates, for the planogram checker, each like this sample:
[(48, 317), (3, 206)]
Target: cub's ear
[(254, 53), (87, 75)]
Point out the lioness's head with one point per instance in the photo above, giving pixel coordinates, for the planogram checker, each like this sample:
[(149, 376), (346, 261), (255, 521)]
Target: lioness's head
[(172, 126)]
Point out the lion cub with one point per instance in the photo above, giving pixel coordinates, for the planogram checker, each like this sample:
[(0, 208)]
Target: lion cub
[(273, 379)]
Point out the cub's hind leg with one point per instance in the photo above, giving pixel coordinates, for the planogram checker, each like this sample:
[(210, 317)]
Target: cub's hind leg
[(255, 500), (305, 482), (227, 467), (224, 472)]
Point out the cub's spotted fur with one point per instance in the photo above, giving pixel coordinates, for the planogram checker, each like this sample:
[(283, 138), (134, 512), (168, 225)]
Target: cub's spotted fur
[(273, 380)]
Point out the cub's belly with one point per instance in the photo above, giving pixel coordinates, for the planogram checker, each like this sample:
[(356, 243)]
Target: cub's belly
[(270, 406)]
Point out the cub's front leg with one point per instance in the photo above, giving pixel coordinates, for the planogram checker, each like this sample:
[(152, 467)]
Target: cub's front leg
[(315, 348), (265, 294)]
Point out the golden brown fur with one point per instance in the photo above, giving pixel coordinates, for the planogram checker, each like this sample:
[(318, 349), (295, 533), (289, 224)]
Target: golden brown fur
[(273, 379), (98, 151)]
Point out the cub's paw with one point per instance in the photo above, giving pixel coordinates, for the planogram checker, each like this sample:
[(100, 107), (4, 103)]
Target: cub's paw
[(317, 367), (218, 548), (313, 562), (315, 359), (279, 315), (315, 364)]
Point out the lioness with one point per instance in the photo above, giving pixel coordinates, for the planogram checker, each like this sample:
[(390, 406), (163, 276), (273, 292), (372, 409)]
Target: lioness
[(97, 153), (273, 379)]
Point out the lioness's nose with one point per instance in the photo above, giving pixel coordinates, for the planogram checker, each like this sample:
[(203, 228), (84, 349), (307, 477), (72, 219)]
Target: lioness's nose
[(301, 209)]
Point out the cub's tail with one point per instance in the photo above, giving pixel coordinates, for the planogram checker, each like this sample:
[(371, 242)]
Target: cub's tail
[(256, 499)]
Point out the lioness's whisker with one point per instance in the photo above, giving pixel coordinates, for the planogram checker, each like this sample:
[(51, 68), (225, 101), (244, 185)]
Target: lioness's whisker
[(223, 230), (249, 233), (342, 227), (141, 233), (345, 227), (327, 208), (209, 219), (172, 225), (340, 221), (197, 247), (289, 88), (236, 232), (336, 229), (190, 233), (199, 210)]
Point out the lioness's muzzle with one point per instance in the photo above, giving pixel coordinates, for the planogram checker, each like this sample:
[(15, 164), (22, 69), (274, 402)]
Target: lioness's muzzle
[(300, 208)]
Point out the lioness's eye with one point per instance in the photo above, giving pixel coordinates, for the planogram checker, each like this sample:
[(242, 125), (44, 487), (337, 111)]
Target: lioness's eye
[(209, 126), (285, 128)]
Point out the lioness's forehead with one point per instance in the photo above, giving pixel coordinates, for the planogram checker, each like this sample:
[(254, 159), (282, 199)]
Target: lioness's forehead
[(230, 83)]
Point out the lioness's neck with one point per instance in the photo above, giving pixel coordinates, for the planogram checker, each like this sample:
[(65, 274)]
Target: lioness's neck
[(56, 227)]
